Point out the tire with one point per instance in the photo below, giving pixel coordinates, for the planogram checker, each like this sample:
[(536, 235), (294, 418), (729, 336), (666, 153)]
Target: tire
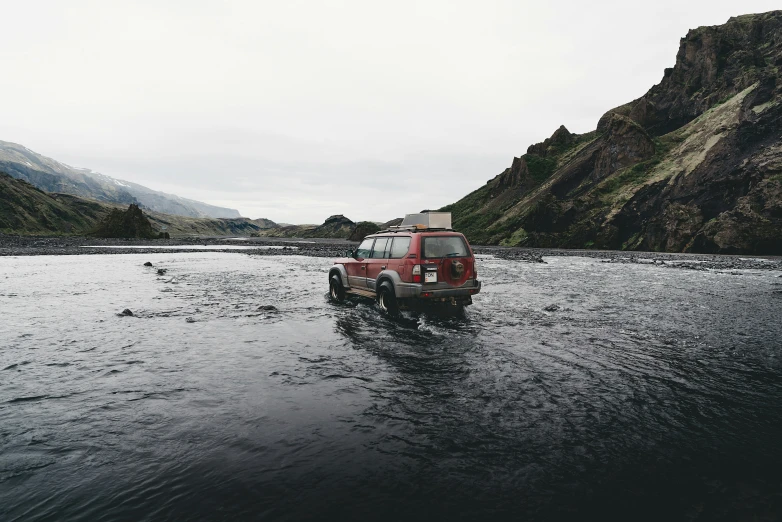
[(336, 291), (386, 300)]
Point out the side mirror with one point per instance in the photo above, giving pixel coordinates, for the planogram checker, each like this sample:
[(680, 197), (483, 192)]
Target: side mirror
[(351, 253)]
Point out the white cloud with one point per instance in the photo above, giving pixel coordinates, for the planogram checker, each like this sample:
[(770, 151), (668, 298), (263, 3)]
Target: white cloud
[(364, 108)]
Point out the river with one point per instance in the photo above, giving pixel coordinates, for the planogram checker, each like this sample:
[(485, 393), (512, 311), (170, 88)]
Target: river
[(574, 389)]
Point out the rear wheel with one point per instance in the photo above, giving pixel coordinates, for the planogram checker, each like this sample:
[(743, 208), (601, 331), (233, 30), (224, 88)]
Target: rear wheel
[(336, 291), (386, 300)]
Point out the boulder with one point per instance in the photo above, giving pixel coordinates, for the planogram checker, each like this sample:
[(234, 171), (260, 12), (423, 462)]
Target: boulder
[(131, 223)]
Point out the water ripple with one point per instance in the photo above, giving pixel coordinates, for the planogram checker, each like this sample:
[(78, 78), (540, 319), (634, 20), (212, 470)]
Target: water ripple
[(570, 390)]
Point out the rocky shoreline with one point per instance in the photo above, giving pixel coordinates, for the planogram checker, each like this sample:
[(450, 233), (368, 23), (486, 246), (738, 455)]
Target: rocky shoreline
[(75, 245), (664, 259)]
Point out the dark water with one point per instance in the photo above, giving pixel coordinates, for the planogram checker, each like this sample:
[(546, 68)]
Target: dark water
[(650, 393)]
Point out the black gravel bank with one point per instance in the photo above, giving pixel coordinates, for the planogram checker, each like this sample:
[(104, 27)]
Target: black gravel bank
[(41, 246)]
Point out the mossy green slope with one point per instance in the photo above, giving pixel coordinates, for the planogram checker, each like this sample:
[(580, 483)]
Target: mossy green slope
[(26, 210)]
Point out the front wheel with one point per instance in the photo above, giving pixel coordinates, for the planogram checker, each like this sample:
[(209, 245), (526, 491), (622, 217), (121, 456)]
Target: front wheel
[(386, 300), (336, 291)]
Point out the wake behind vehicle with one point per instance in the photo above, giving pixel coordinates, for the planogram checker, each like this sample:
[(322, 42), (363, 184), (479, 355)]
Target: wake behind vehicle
[(418, 263)]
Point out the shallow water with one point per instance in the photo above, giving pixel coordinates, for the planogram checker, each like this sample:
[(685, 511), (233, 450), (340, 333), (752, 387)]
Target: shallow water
[(644, 393)]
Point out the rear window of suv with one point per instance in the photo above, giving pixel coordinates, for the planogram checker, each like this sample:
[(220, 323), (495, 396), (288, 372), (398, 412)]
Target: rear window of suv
[(444, 246)]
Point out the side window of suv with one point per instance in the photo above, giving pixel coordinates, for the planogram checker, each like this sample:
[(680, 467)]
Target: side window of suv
[(399, 247), (363, 250), (381, 248)]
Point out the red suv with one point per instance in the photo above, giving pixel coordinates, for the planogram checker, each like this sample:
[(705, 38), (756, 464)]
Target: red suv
[(409, 265)]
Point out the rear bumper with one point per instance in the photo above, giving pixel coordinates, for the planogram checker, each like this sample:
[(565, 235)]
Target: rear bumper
[(419, 291)]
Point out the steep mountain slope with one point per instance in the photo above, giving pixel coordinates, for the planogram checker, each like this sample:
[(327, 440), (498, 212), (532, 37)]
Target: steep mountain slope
[(27, 210), (694, 165), (52, 176)]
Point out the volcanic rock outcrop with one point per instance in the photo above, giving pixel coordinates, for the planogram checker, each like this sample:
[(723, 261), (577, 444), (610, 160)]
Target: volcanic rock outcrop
[(130, 223), (694, 165)]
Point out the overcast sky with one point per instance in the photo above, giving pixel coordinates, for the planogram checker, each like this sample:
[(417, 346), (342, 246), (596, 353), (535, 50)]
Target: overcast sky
[(294, 111)]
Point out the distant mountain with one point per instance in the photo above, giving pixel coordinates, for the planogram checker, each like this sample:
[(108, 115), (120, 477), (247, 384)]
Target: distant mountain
[(188, 226), (393, 223), (53, 176), (694, 165), (335, 227), (27, 210)]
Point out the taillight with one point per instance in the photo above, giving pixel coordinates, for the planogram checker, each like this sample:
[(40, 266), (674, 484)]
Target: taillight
[(417, 274)]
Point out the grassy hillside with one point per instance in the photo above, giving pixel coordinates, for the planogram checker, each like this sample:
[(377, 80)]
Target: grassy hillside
[(26, 210)]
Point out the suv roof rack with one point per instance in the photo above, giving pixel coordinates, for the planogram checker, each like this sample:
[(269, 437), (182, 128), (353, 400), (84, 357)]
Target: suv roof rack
[(423, 222), (441, 220), (412, 228)]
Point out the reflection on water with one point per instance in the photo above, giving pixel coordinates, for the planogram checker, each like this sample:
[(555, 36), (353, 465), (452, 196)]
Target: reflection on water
[(573, 389)]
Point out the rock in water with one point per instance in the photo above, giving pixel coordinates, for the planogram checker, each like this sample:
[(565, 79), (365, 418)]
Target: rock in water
[(147, 264), (268, 308), (126, 313), (161, 271), (552, 308)]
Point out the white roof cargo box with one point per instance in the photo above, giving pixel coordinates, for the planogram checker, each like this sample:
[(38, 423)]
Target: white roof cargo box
[(428, 220)]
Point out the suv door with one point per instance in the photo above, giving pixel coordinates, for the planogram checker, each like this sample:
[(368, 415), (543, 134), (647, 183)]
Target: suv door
[(377, 260), (357, 269), (398, 250)]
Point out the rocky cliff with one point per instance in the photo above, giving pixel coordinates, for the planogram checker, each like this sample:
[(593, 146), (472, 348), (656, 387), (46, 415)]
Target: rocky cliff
[(694, 165)]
